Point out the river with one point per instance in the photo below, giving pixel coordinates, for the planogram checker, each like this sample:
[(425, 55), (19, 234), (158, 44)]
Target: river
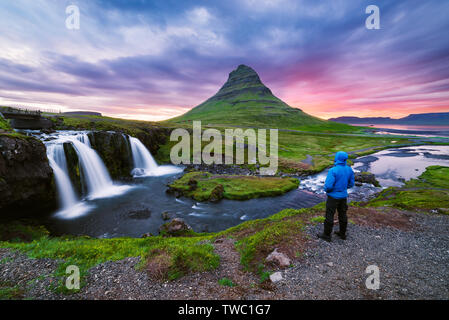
[(135, 207)]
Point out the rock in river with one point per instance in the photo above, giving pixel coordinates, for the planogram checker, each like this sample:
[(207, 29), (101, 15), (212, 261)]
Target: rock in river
[(175, 227)]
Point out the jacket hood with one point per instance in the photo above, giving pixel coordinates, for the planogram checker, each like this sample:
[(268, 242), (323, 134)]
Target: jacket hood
[(341, 157)]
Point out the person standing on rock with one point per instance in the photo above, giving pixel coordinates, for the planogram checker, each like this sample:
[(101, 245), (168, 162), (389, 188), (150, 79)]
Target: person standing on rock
[(339, 179)]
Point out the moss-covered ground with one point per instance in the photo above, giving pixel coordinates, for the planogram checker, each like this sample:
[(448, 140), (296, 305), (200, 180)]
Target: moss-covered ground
[(430, 191), (201, 185)]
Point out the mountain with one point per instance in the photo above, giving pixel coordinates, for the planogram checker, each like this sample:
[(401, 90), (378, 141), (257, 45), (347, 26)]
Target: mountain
[(440, 118), (245, 101)]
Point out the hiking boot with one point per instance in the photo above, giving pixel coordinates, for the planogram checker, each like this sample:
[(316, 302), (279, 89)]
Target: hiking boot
[(324, 236), (341, 235)]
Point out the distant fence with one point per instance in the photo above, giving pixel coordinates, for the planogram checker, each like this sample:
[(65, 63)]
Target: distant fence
[(28, 110)]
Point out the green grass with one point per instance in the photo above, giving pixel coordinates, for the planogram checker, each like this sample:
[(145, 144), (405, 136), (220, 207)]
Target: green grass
[(413, 199), (319, 219), (100, 123), (294, 147), (10, 292), (184, 255), (164, 258), (258, 238), (235, 187), (426, 192), (4, 125), (226, 282), (433, 177)]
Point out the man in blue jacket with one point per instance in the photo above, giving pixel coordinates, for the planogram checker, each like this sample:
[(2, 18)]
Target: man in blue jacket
[(339, 179)]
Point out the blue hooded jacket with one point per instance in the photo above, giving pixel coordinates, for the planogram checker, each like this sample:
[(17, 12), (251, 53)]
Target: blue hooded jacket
[(339, 178)]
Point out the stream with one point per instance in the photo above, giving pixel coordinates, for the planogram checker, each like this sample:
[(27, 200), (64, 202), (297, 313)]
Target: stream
[(134, 207)]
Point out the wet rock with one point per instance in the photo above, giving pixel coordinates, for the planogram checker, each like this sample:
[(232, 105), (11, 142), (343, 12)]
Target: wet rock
[(366, 177), (166, 215), (74, 169), (177, 193), (139, 214), (279, 259), (175, 227), (115, 150), (192, 183), (217, 193), (26, 179), (147, 235)]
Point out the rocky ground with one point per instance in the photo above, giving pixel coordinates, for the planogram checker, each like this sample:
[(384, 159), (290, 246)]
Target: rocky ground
[(412, 254)]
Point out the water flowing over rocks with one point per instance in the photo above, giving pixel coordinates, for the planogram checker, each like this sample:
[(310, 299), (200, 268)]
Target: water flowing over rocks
[(115, 151), (366, 177)]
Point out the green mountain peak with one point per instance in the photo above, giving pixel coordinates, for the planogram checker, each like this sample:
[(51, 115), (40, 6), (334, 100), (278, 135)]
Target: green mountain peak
[(245, 101)]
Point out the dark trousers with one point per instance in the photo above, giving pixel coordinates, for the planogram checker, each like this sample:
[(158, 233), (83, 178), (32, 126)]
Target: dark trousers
[(332, 205)]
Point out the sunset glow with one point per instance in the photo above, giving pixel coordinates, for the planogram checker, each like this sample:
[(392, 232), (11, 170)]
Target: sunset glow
[(153, 60)]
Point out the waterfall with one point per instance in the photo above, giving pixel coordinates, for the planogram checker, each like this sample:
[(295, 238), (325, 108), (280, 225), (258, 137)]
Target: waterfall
[(94, 174), (84, 138), (70, 206), (94, 171), (58, 162), (144, 163)]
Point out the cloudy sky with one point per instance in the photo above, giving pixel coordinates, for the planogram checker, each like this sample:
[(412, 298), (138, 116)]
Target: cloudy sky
[(154, 60)]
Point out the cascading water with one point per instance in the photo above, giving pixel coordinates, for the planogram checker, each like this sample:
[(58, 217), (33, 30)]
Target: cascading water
[(70, 206), (58, 162), (94, 173), (144, 164)]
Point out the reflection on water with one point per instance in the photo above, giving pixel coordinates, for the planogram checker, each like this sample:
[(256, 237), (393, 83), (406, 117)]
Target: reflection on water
[(409, 130), (393, 166), (404, 127)]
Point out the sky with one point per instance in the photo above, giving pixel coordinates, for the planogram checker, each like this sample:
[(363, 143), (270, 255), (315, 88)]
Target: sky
[(154, 60)]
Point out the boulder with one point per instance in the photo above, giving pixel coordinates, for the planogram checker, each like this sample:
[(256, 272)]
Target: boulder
[(217, 193), (141, 214), (279, 259), (276, 277), (175, 227), (26, 178), (366, 177), (147, 235), (115, 151), (192, 183), (165, 215)]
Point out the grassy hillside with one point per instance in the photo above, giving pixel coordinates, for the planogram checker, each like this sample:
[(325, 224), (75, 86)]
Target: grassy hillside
[(245, 101)]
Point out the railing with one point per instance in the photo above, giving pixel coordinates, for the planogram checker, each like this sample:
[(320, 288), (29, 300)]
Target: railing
[(27, 110)]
